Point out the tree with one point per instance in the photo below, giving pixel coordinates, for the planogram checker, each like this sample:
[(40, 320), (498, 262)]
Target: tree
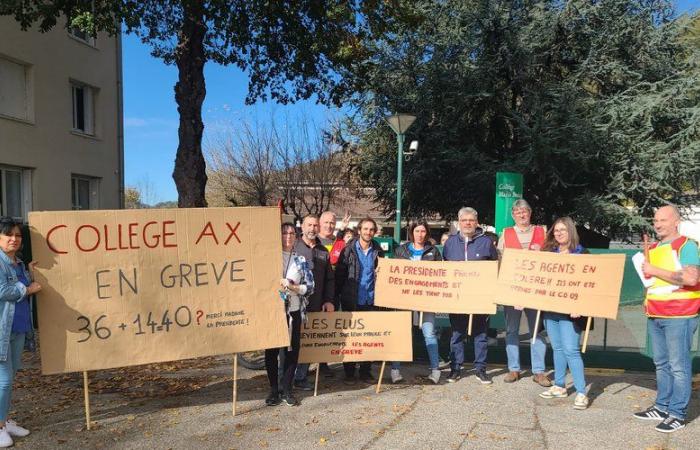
[(297, 163), (554, 90), (291, 50), (132, 198), (242, 165)]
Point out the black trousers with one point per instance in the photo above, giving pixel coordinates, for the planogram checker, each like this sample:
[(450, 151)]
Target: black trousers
[(365, 367), (290, 358)]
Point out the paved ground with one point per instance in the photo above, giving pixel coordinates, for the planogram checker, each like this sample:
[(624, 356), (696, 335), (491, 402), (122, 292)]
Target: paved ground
[(187, 405)]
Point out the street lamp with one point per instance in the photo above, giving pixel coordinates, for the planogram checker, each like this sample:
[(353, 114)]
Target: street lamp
[(400, 123)]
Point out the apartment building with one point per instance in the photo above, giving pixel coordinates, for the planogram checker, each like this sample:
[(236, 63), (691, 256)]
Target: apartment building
[(61, 131)]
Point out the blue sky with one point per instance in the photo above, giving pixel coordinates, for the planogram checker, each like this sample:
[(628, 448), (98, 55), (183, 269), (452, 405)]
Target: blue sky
[(151, 119)]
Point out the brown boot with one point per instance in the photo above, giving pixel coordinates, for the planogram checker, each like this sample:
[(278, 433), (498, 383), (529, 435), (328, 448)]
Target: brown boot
[(541, 379), (512, 377)]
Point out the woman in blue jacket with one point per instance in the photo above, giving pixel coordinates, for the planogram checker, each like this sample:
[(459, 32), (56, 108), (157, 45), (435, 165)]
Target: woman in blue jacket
[(15, 286), (564, 330)]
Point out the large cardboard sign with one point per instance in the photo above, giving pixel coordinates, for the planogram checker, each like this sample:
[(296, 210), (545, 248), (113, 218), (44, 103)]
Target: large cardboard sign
[(356, 336), (571, 284), (132, 287), (437, 286)]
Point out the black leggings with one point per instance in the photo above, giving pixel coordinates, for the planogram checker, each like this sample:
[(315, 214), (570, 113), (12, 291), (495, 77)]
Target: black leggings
[(290, 358)]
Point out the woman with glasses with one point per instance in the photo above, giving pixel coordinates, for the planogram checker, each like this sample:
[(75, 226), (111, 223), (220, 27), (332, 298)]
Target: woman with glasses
[(296, 285), (564, 330), (16, 286)]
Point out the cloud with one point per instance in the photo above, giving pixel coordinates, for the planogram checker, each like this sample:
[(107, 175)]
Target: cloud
[(134, 122), (154, 123)]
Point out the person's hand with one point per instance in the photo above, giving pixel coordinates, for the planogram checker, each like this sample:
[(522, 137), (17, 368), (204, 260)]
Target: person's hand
[(32, 265), (648, 269), (535, 247), (33, 288), (575, 316), (518, 308), (346, 221), (328, 307), (284, 283)]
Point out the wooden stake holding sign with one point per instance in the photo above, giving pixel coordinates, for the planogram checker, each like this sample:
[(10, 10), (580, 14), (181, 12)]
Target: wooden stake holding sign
[(318, 371), (235, 381), (469, 327), (86, 396), (535, 331), (381, 375), (585, 336)]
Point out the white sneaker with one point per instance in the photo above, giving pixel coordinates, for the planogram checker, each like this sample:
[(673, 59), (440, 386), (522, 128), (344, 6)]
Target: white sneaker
[(5, 439), (581, 401), (434, 376), (396, 376), (14, 429)]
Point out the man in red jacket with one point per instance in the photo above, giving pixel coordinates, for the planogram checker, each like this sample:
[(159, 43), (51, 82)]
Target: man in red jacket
[(523, 235)]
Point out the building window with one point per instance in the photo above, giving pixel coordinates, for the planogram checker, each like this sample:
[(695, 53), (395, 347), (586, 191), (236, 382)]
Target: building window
[(15, 90), (84, 192), (15, 192), (81, 35), (83, 108)]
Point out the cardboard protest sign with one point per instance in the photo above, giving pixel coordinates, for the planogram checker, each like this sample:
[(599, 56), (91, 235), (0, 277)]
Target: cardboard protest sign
[(356, 336), (132, 287), (466, 287), (571, 284)]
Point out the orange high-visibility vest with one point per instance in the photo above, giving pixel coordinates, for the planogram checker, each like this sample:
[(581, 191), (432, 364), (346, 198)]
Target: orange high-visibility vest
[(510, 238), (683, 302)]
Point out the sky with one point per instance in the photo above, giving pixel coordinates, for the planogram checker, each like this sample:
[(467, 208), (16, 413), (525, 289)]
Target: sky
[(151, 119)]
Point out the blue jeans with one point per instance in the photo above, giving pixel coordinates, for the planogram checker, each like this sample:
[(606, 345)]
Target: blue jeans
[(431, 342), (460, 323), (565, 339), (8, 369), (537, 350), (671, 340)]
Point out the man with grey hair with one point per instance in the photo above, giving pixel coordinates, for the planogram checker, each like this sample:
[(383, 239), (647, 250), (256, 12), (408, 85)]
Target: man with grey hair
[(469, 244), (523, 235)]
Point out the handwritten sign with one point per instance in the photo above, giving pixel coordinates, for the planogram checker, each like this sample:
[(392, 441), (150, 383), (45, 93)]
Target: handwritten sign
[(466, 287), (132, 287), (356, 336), (571, 284)]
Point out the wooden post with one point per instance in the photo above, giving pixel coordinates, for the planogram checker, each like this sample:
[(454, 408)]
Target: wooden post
[(469, 327), (420, 319), (381, 375), (318, 371), (235, 382), (585, 336), (537, 327), (86, 396)]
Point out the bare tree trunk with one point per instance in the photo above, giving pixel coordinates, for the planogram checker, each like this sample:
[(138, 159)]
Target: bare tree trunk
[(190, 169)]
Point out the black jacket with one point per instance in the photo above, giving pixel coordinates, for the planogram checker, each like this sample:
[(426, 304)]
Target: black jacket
[(431, 252), (324, 279), (347, 274)]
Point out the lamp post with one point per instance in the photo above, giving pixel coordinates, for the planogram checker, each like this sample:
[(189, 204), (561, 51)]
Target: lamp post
[(400, 123)]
